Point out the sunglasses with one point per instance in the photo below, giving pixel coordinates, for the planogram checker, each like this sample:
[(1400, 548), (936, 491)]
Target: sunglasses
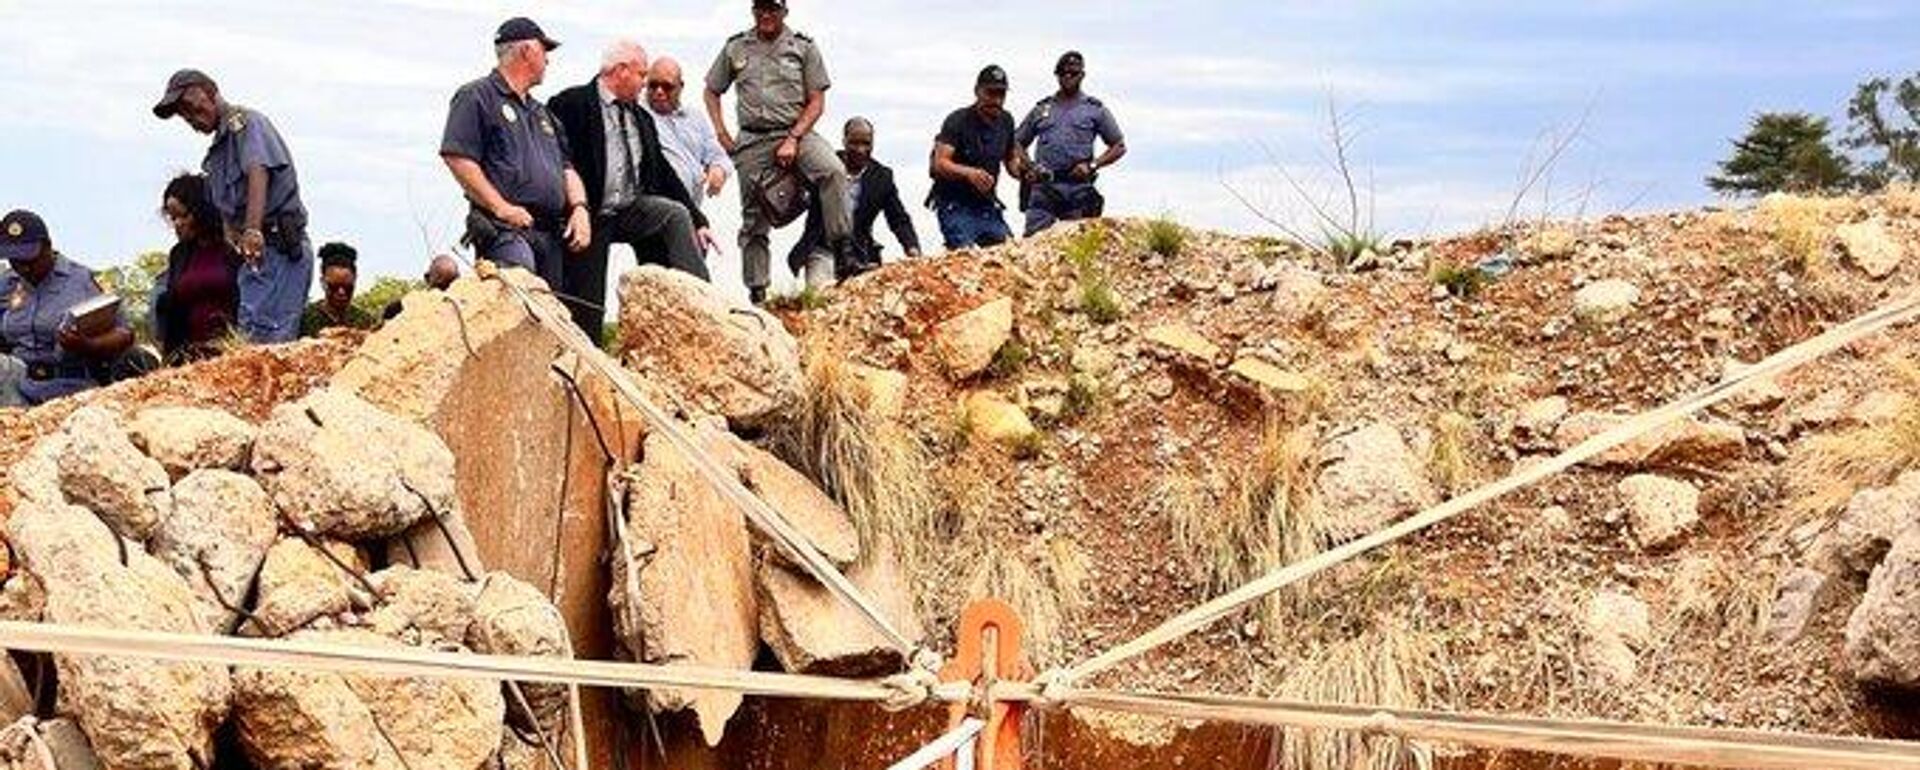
[(661, 85)]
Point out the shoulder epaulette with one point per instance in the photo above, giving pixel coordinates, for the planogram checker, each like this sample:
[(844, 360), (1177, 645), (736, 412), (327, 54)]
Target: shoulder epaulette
[(802, 36), (737, 36), (1095, 101), (1044, 101)]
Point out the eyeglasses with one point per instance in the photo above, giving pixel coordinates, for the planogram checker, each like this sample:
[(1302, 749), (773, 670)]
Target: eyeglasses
[(661, 85)]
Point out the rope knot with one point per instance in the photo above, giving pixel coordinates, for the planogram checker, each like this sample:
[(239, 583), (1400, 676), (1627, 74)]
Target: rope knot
[(1054, 686), (1381, 724), (908, 690)]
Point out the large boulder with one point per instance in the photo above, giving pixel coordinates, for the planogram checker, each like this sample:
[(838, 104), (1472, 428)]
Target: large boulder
[(511, 617), (1873, 519), (423, 607), (293, 720), (718, 359), (692, 572), (221, 528), (36, 477), (826, 526), (1883, 635), (341, 468), (812, 632), (139, 715), (101, 470), (1371, 479), (1661, 510), (299, 584), (186, 439), (1683, 443), (967, 343)]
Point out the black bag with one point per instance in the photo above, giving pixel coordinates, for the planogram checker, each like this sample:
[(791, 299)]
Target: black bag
[(783, 196)]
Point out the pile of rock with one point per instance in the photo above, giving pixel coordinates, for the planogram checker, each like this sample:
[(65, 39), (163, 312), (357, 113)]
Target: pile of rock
[(193, 521)]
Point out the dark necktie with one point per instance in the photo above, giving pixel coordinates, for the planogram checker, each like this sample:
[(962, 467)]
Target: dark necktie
[(631, 174)]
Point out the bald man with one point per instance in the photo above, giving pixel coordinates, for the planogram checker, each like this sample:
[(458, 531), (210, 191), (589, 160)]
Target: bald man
[(686, 138)]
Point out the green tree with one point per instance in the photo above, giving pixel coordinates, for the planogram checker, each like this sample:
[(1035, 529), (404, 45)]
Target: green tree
[(133, 283), (384, 291), (1890, 131), (1783, 152)]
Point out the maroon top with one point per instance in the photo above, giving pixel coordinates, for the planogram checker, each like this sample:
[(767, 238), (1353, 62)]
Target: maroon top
[(205, 293)]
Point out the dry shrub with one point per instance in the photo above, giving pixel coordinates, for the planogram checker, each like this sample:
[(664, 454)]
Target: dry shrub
[(1800, 232), (1833, 466), (1451, 460), (1711, 600), (874, 468), (1264, 516), (1385, 666)]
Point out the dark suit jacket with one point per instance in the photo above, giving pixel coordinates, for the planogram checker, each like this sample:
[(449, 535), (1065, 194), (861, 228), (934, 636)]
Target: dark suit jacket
[(878, 195), (578, 109)]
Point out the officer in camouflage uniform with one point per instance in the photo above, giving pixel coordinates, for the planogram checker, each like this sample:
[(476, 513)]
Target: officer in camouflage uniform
[(783, 84), (1059, 186)]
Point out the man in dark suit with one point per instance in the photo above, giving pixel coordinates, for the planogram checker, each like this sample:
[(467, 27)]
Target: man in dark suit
[(870, 183), (635, 197)]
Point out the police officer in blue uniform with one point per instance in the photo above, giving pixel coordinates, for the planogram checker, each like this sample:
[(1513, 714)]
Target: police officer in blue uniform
[(1059, 186), (251, 178), (45, 356), (510, 157)]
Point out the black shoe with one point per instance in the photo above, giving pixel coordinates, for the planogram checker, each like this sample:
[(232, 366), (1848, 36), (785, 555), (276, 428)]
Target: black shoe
[(757, 295)]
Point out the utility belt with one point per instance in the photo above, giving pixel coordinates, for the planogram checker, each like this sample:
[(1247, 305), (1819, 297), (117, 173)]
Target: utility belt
[(41, 372), (483, 227), (1054, 192), (284, 233)]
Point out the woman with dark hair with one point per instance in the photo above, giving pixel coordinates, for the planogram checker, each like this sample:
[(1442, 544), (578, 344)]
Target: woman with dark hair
[(339, 270), (198, 299)]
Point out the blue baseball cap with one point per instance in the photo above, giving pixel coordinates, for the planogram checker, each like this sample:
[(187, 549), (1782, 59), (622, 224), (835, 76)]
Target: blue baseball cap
[(521, 28), (22, 235)]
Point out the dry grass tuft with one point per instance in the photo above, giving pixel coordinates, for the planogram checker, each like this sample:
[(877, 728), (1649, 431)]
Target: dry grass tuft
[(1717, 600), (1040, 595), (1264, 516), (1451, 460), (875, 469), (1800, 233), (1833, 466), (1385, 666)]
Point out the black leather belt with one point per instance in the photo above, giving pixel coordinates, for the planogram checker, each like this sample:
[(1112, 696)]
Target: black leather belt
[(57, 372)]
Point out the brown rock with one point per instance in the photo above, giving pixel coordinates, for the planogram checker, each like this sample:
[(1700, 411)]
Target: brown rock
[(101, 470), (812, 632), (695, 602), (990, 417), (511, 617), (139, 715), (1268, 379), (1883, 634), (807, 508), (966, 343), (1686, 443), (1870, 248), (298, 584), (421, 607), (339, 467), (882, 391), (221, 528), (1661, 510), (1184, 345), (1370, 479), (187, 439), (679, 332), (299, 721)]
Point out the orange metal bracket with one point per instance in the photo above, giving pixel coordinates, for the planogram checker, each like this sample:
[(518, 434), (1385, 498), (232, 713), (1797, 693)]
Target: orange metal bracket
[(988, 651)]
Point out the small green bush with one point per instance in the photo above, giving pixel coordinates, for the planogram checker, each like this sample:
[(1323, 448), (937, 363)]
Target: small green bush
[(1166, 237), (1461, 280), (1010, 359), (1098, 300)]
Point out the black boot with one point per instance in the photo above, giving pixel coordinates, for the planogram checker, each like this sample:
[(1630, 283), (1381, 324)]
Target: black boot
[(757, 295)]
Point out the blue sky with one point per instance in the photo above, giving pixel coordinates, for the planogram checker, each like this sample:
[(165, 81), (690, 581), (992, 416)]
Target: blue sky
[(1448, 98)]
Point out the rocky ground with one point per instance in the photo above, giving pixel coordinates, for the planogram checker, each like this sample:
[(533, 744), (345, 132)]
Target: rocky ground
[(1128, 432), (1105, 426)]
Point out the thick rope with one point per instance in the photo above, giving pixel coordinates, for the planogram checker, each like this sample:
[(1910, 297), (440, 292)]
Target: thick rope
[(1631, 742), (410, 662), (791, 541), (942, 747), (1889, 315)]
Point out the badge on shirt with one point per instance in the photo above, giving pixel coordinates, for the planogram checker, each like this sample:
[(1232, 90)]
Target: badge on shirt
[(506, 111), (547, 126), (237, 121), (18, 298)]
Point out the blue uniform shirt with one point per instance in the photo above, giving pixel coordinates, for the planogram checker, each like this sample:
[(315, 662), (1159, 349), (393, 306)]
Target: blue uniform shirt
[(1066, 130), (516, 141), (244, 140), (31, 325)]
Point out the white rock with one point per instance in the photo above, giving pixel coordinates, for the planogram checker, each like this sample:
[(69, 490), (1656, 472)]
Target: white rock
[(1661, 510), (186, 439), (221, 528), (1605, 301)]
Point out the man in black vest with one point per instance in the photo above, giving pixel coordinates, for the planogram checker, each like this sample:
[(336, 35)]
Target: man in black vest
[(635, 197)]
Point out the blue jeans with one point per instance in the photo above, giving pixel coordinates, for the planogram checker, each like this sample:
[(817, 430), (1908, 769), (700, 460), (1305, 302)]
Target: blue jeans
[(966, 224), (274, 293)]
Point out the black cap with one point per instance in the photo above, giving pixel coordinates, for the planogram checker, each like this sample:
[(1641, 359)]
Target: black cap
[(991, 77), (176, 87), (1070, 57), (22, 234), (778, 4), (521, 28)]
